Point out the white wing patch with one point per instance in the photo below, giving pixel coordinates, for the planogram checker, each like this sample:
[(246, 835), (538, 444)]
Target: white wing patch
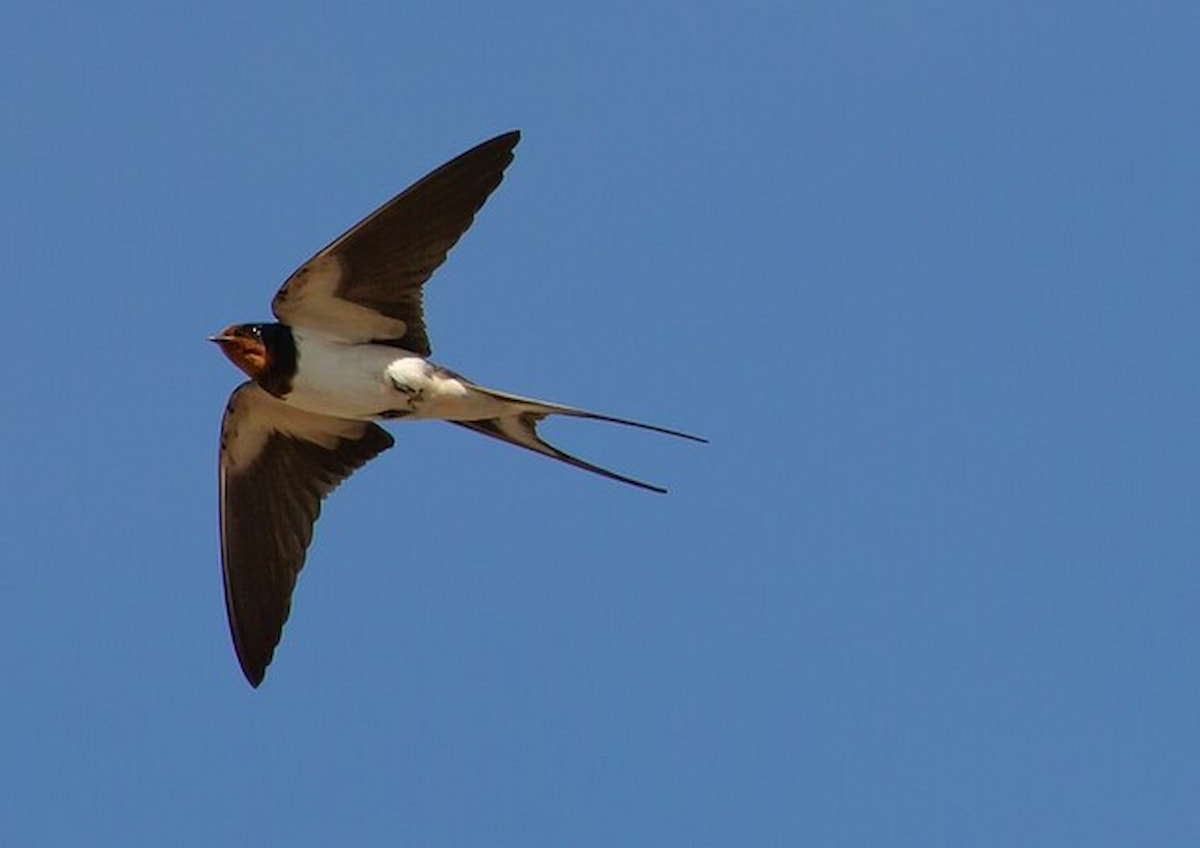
[(309, 299)]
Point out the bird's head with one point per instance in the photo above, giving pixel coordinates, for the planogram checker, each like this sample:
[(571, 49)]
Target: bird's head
[(246, 346)]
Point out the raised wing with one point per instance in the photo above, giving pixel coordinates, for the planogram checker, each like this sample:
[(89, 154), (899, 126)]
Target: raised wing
[(277, 463), (366, 285)]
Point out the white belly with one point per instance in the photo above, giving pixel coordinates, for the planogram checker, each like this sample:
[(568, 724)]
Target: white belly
[(373, 381)]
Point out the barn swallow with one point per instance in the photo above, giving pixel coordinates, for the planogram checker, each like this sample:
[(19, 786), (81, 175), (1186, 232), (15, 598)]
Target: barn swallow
[(351, 348)]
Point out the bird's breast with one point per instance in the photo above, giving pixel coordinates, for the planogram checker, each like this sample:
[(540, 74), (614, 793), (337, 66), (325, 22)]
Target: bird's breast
[(368, 381), (347, 380)]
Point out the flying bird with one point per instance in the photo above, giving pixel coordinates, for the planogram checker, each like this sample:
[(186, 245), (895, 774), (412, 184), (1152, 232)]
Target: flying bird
[(351, 348)]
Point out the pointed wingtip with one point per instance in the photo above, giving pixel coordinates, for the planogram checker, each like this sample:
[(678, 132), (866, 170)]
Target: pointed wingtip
[(507, 140), (254, 676), (254, 669)]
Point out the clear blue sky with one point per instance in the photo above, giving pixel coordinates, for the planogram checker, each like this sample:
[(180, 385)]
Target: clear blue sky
[(925, 273)]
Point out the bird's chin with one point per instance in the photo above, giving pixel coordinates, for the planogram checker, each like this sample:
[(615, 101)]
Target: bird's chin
[(248, 355)]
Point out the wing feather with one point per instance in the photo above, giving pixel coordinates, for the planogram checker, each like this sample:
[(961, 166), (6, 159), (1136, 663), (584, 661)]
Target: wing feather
[(277, 464), (367, 284)]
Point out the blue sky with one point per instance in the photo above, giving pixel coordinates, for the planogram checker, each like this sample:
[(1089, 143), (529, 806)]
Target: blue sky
[(925, 273)]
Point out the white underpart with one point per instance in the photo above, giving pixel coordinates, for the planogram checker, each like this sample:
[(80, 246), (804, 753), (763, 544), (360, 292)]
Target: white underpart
[(364, 381)]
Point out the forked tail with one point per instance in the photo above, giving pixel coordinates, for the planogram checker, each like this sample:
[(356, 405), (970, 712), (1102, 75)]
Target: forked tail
[(520, 429)]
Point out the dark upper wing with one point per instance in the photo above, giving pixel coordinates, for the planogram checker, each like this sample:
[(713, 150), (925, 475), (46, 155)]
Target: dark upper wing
[(366, 285), (276, 464)]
